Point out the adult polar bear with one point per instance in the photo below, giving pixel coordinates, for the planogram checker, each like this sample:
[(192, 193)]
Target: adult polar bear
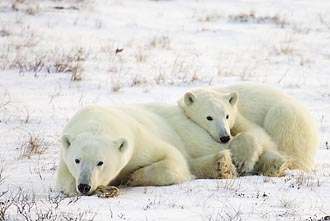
[(225, 111), (146, 144)]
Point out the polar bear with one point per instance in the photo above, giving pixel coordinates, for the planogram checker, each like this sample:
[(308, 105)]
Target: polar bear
[(284, 129), (140, 144)]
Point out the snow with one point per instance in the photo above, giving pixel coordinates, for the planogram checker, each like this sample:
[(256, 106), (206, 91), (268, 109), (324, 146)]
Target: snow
[(169, 47)]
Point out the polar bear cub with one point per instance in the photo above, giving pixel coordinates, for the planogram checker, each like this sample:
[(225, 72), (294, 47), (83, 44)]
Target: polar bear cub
[(146, 144), (283, 127)]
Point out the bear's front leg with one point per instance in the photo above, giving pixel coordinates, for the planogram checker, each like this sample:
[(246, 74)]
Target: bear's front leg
[(65, 182), (172, 169), (245, 152), (214, 166)]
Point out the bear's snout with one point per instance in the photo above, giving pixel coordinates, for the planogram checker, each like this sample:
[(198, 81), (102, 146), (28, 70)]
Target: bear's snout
[(224, 139), (84, 188)]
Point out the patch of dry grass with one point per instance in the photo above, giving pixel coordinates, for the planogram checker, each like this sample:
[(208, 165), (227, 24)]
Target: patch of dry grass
[(24, 205), (234, 68), (325, 21), (209, 17), (22, 50), (28, 7), (162, 41), (70, 61), (33, 144), (251, 17), (3, 166), (285, 47), (184, 71)]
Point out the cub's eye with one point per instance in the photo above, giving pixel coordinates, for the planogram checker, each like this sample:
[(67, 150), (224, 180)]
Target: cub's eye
[(100, 163), (209, 118), (77, 161), (227, 117)]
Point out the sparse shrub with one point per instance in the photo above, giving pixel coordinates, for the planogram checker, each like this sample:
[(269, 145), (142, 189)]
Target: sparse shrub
[(71, 61), (28, 7), (324, 21), (140, 56), (244, 71), (86, 215), (176, 71), (116, 84), (162, 41), (4, 207), (25, 205), (32, 9), (33, 144), (247, 72), (35, 63), (20, 53), (290, 206), (229, 184), (285, 47), (137, 80), (210, 17), (4, 33), (308, 180), (26, 39), (2, 169), (223, 69), (159, 74), (184, 71), (252, 18)]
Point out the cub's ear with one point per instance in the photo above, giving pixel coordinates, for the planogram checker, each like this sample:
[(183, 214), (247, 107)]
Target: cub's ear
[(188, 99), (233, 98), (122, 144), (66, 140)]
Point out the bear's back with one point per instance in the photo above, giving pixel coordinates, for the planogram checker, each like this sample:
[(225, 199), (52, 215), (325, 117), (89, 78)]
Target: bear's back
[(255, 99)]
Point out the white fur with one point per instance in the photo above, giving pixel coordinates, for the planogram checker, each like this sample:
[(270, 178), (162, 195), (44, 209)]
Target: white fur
[(282, 126), (161, 147)]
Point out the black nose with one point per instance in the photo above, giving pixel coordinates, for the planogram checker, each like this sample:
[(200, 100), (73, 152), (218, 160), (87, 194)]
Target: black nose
[(224, 139), (84, 188)]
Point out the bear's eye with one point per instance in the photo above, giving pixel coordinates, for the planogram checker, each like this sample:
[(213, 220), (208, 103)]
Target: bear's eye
[(227, 117), (209, 118), (100, 163), (77, 161)]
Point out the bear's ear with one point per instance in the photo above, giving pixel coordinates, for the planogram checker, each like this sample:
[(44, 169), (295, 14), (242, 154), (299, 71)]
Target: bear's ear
[(189, 98), (233, 98), (122, 144), (66, 140)]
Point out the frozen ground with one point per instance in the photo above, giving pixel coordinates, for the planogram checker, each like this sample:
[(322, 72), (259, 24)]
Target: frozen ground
[(56, 56)]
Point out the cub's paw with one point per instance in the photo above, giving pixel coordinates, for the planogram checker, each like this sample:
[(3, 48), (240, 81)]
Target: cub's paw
[(225, 169), (275, 169), (272, 164), (107, 191), (242, 166)]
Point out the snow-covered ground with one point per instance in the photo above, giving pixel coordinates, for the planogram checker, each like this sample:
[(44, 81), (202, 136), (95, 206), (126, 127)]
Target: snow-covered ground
[(56, 56)]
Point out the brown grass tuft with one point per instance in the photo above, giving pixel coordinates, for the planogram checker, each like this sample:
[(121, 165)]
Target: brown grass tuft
[(33, 144)]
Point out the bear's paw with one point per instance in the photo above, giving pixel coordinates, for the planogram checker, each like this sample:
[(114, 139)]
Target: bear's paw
[(225, 169), (107, 191)]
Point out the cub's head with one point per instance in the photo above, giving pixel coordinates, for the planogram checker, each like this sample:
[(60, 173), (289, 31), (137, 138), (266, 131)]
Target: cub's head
[(93, 160), (214, 111)]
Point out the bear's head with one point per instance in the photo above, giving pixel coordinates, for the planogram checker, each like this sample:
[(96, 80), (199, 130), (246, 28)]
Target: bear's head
[(93, 160), (214, 111)]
